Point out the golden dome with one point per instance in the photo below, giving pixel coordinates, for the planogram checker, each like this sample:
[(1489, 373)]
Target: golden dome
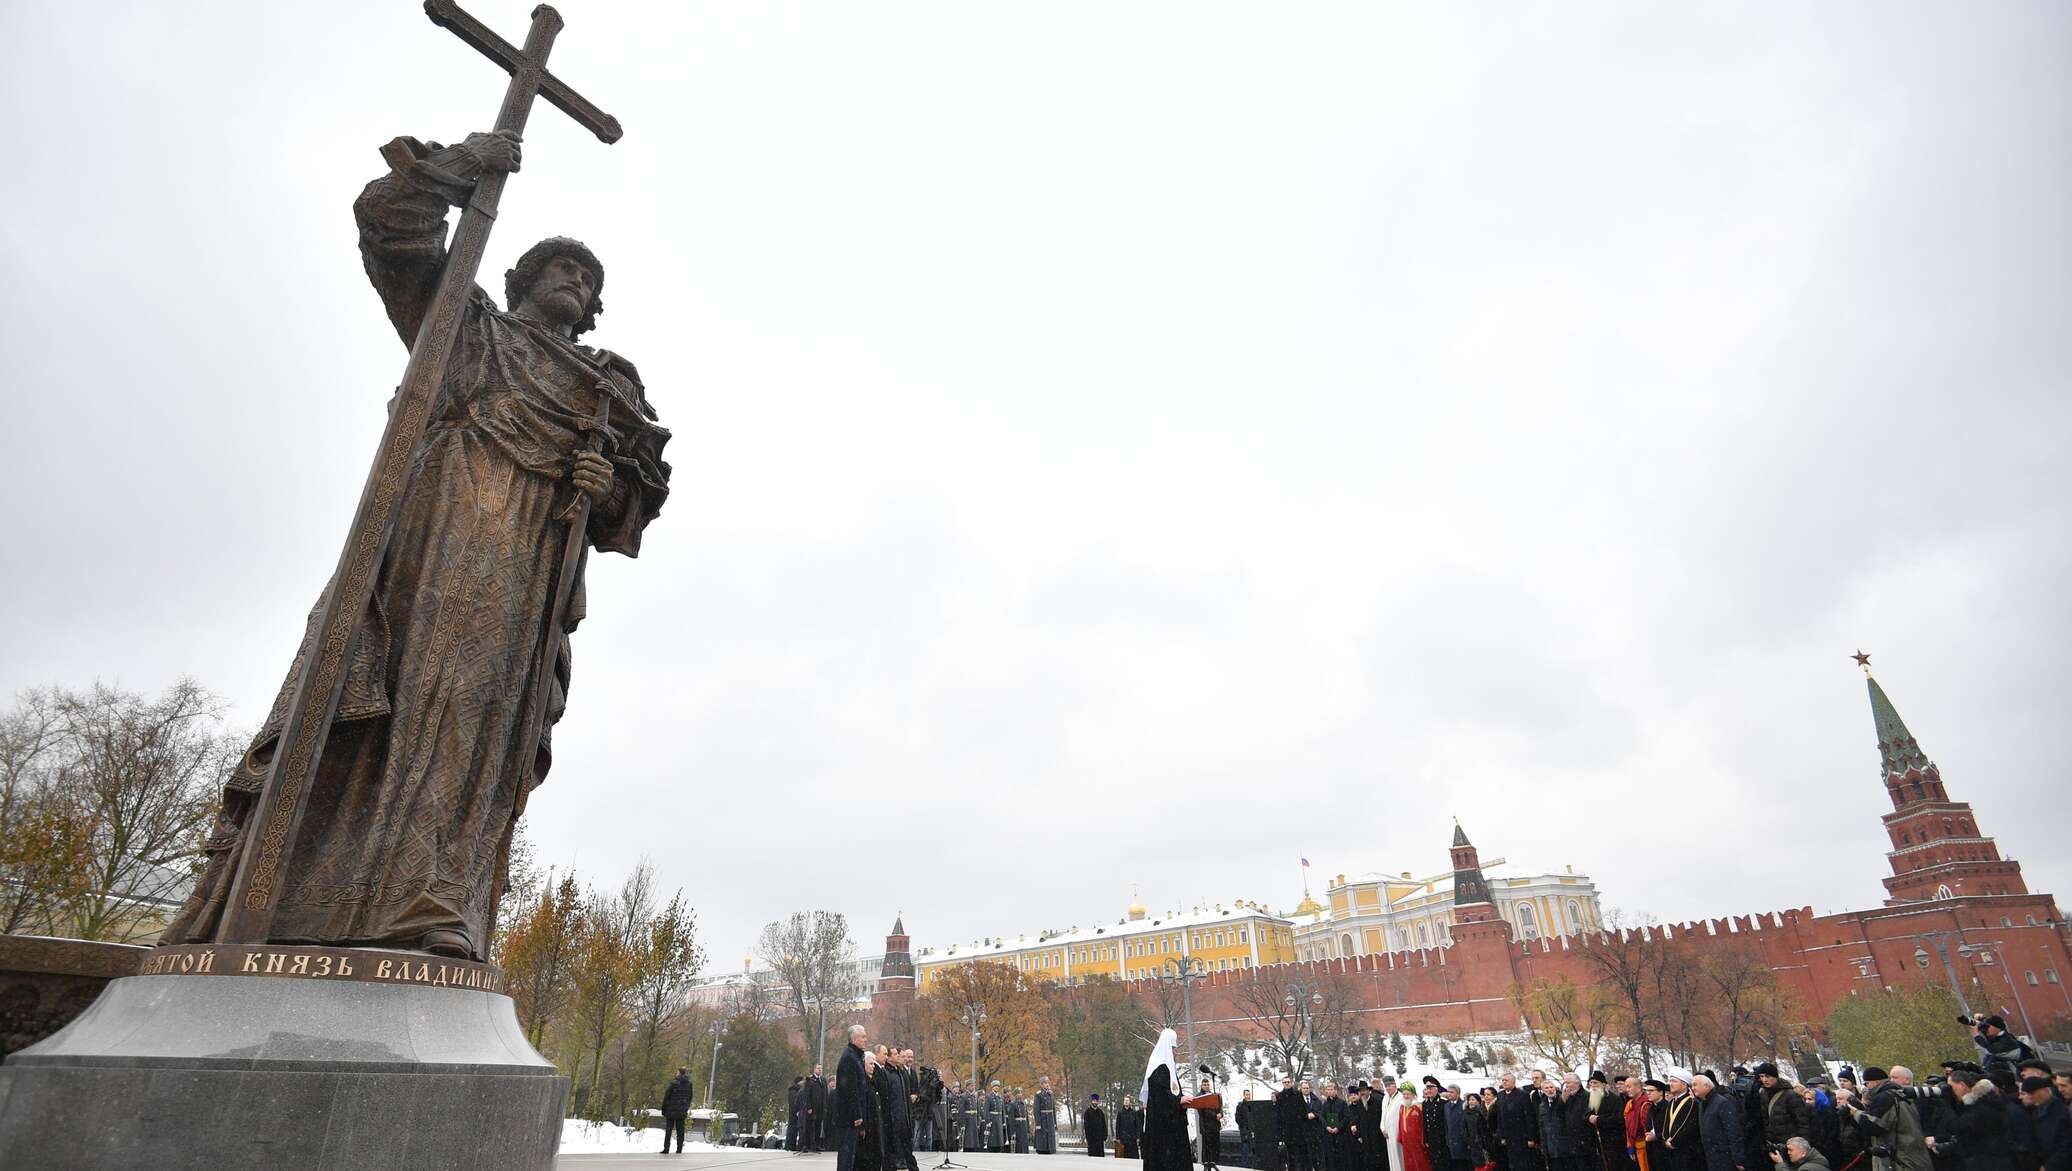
[(1137, 909), (1308, 906)]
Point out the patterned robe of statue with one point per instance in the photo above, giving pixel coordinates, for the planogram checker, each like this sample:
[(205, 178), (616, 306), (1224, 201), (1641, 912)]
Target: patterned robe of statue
[(435, 745)]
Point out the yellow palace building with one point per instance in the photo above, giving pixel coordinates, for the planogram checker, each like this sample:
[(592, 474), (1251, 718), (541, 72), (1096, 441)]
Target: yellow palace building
[(1135, 947)]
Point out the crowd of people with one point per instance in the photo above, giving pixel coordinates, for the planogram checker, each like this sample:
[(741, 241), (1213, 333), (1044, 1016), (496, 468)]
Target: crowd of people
[(2006, 1111), (881, 1107)]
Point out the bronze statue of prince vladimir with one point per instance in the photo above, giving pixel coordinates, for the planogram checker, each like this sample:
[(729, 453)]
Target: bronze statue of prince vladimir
[(459, 664)]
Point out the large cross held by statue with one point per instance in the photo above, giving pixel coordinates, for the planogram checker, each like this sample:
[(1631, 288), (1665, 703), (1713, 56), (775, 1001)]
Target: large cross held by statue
[(262, 864)]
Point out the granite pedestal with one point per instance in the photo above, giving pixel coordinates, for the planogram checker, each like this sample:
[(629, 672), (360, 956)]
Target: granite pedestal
[(250, 1064), (45, 982)]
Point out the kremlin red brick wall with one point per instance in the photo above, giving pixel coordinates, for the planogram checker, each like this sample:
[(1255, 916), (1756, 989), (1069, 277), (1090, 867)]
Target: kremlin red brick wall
[(1822, 959)]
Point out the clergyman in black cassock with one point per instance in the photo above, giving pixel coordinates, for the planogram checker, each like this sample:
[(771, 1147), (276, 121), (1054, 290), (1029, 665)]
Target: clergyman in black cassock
[(1165, 1126), (1094, 1125)]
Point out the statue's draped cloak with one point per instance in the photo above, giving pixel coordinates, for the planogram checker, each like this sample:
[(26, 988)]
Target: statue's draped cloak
[(432, 752)]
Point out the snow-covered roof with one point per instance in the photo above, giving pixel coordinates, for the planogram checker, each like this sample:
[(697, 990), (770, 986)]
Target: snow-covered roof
[(732, 980), (1377, 876), (1443, 886), (1120, 929)]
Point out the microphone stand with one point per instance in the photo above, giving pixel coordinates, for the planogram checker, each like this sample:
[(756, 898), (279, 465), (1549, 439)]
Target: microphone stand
[(949, 1118)]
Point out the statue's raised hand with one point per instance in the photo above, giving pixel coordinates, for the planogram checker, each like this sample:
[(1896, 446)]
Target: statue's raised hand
[(496, 151)]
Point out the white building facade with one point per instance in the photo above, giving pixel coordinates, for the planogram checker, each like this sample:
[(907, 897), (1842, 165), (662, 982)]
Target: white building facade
[(1370, 914)]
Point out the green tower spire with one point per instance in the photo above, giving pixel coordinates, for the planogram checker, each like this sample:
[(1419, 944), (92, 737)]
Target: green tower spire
[(1898, 751)]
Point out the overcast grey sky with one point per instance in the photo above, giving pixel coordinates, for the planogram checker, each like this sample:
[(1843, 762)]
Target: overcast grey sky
[(1131, 443)]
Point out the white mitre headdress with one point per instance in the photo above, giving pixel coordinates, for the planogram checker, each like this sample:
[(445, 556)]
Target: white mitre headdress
[(1161, 1054)]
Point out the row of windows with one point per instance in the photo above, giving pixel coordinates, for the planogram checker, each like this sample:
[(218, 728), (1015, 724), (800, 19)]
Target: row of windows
[(1141, 948), (1237, 964), (1940, 857), (1527, 925), (1961, 826), (1105, 953), (1944, 892)]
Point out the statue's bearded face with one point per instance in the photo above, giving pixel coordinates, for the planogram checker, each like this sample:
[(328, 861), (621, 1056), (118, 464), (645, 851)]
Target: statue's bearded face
[(561, 293)]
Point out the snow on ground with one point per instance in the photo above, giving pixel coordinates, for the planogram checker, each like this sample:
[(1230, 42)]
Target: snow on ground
[(1494, 1043), (605, 1138), (1364, 1066)]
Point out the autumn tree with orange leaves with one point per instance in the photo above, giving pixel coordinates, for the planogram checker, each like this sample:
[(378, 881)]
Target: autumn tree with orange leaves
[(1014, 1043)]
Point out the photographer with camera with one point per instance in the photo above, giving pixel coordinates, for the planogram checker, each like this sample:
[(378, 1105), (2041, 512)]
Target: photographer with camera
[(1999, 1050), (1797, 1154), (1890, 1121), (1977, 1130)]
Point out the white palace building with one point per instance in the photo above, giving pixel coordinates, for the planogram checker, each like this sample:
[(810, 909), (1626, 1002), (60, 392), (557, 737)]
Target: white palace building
[(1373, 913)]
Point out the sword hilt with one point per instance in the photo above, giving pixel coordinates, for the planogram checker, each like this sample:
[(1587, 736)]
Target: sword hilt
[(578, 507)]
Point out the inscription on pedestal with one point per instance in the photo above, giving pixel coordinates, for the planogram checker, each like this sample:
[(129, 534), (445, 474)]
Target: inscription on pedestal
[(321, 963)]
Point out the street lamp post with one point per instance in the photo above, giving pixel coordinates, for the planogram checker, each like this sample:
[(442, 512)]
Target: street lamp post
[(1186, 970), (1302, 1005), (717, 1028), (1942, 950), (821, 1019), (974, 1016)]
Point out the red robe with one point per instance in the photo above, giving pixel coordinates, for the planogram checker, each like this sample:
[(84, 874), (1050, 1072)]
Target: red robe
[(1410, 1134)]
